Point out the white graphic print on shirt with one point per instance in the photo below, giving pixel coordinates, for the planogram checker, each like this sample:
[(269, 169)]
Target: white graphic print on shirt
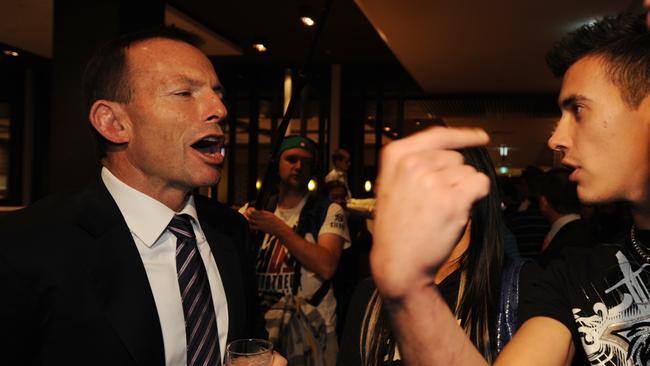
[(279, 273), (619, 334)]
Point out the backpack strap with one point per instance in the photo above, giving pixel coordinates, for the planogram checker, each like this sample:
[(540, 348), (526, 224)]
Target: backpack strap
[(311, 219), (507, 320), (257, 237), (320, 293), (272, 203)]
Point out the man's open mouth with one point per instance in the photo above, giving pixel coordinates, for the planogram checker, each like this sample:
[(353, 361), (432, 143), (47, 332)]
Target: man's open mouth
[(209, 145)]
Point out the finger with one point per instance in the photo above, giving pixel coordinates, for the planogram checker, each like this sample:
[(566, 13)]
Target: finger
[(278, 360), (446, 138), (435, 138), (416, 168), (249, 211), (454, 175), (432, 160), (420, 163), (467, 186), (473, 187), (256, 215)]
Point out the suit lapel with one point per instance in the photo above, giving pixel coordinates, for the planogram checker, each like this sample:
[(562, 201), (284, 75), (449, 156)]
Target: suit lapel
[(229, 265), (118, 278)]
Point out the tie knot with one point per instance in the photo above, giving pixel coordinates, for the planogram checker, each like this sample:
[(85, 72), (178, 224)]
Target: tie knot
[(181, 226)]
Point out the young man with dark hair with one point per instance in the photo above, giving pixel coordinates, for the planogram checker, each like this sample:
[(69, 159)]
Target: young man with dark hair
[(135, 269), (595, 301)]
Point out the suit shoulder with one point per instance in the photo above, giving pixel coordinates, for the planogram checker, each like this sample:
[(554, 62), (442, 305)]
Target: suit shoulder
[(51, 209), (219, 212)]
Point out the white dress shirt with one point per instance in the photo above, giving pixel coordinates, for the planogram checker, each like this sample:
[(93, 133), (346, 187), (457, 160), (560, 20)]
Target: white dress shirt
[(147, 220), (557, 225)]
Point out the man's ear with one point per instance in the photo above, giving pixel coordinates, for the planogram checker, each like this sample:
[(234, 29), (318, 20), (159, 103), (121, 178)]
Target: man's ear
[(110, 120)]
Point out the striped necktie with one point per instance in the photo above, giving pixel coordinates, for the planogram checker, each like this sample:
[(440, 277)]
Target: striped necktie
[(200, 320)]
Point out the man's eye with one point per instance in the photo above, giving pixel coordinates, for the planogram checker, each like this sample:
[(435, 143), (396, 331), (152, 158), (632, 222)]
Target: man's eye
[(577, 109), (184, 93), (219, 91)]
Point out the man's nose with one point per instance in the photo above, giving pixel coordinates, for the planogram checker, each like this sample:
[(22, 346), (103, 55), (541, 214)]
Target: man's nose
[(560, 140), (218, 110)]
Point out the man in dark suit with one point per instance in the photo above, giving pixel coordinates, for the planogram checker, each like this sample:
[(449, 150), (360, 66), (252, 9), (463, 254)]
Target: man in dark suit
[(134, 270), (560, 205)]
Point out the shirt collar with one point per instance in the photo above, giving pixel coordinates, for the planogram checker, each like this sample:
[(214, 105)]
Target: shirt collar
[(146, 217), (559, 223)]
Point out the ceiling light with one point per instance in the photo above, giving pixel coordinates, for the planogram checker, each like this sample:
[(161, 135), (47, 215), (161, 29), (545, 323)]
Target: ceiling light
[(306, 14), (417, 123), (11, 53), (260, 47), (308, 21), (387, 128)]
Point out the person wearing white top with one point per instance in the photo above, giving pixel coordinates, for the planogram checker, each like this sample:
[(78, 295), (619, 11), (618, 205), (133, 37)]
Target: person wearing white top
[(296, 258)]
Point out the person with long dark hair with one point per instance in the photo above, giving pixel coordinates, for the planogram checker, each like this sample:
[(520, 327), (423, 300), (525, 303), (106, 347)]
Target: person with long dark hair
[(470, 282)]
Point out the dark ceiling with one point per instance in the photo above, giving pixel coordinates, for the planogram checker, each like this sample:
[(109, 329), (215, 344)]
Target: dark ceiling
[(479, 63), (348, 37)]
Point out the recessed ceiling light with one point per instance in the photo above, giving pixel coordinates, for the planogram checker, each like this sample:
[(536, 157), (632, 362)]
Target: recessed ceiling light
[(260, 47), (308, 21), (11, 53)]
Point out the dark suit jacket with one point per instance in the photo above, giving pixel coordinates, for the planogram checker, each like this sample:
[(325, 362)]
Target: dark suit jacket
[(574, 234), (75, 291)]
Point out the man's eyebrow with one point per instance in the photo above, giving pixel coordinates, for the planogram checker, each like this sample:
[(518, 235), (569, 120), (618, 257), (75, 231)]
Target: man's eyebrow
[(187, 80), (184, 79), (571, 101), (218, 88)]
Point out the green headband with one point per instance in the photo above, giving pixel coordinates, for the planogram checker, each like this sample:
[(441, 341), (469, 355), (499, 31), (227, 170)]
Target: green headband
[(294, 141)]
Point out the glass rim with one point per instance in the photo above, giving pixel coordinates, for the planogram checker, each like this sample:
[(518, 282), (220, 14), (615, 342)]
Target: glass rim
[(268, 343)]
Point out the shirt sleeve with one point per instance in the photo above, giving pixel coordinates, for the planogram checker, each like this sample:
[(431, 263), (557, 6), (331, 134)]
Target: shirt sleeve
[(331, 176), (336, 223), (543, 293)]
